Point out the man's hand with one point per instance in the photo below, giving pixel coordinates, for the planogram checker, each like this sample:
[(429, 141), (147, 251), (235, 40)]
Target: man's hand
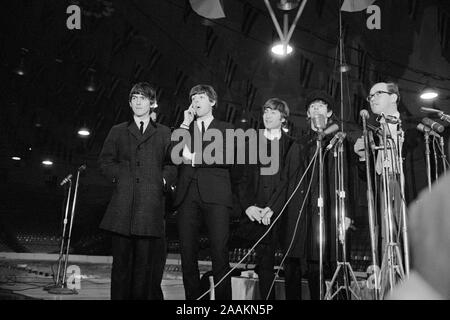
[(267, 214), (254, 213), (189, 114), (359, 148)]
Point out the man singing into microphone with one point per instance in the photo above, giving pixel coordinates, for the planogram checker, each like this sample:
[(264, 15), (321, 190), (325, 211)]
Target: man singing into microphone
[(134, 158), (302, 241)]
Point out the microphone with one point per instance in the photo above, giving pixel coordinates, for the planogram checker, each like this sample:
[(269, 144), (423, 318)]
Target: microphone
[(331, 129), (364, 114), (425, 109), (82, 167), (426, 129), (340, 136), (433, 125), (65, 180), (319, 122)]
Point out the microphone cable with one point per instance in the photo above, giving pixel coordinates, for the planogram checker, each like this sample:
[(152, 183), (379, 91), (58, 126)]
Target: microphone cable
[(313, 160), (296, 225)]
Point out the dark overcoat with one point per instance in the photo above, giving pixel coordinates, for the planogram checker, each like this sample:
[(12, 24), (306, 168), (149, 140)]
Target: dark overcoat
[(136, 165), (306, 232)]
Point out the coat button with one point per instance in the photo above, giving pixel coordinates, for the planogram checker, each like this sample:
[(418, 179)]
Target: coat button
[(137, 180), (138, 163)]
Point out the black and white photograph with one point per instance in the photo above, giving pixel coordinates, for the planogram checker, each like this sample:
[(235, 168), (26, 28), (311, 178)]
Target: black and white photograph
[(242, 151)]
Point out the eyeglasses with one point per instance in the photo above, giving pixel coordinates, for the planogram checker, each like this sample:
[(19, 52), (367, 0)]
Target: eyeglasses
[(376, 94)]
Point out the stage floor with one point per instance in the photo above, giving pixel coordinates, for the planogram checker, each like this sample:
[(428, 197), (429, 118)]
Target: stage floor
[(25, 275), (26, 278)]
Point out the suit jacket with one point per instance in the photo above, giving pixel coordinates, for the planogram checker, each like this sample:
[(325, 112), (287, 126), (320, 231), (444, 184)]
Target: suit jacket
[(213, 179), (136, 165), (255, 190)]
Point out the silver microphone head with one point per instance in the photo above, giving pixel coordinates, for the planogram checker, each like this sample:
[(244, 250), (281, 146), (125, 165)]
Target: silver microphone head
[(425, 129), (364, 114), (82, 167), (319, 122)]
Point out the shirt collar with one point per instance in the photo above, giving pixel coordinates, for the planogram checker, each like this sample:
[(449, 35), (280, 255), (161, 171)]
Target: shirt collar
[(206, 120), (138, 120), (272, 134)]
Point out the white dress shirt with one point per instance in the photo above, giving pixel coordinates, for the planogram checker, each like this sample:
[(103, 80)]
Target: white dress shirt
[(272, 134), (187, 154), (138, 120)]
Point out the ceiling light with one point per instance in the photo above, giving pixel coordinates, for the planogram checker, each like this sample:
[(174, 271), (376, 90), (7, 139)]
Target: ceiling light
[(84, 132), (429, 94), (279, 49), (47, 163)]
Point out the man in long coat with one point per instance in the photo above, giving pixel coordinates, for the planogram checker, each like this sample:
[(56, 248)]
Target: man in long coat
[(134, 159), (303, 231)]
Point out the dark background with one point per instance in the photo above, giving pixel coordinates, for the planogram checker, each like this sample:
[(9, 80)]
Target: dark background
[(168, 44)]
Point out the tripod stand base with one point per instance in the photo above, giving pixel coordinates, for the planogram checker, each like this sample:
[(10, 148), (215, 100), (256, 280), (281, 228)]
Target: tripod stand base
[(62, 290)]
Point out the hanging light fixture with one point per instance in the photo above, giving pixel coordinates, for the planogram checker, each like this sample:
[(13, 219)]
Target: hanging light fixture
[(16, 158), (287, 5), (429, 93), (280, 49)]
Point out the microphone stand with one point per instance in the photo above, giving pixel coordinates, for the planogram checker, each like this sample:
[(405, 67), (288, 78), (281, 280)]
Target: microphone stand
[(436, 167), (427, 158), (401, 139), (389, 254), (371, 211), (320, 204), (58, 281), (443, 156), (62, 288), (340, 229)]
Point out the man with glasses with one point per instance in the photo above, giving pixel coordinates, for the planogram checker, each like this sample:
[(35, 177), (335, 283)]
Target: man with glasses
[(383, 99)]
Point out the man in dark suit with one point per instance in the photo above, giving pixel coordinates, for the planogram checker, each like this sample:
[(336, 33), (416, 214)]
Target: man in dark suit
[(204, 194), (134, 158), (300, 228), (256, 190)]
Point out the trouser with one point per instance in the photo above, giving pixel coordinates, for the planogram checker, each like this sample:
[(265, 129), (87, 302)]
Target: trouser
[(191, 213), (265, 261), (137, 268)]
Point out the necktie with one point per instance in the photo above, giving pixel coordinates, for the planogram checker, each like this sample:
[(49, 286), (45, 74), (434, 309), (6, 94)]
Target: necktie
[(203, 128), (141, 129)]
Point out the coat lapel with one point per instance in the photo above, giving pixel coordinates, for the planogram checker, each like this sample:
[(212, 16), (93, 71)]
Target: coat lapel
[(151, 130), (134, 130)]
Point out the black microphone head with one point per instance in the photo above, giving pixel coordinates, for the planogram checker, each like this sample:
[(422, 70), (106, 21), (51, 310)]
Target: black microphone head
[(331, 129), (433, 124), (364, 114)]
